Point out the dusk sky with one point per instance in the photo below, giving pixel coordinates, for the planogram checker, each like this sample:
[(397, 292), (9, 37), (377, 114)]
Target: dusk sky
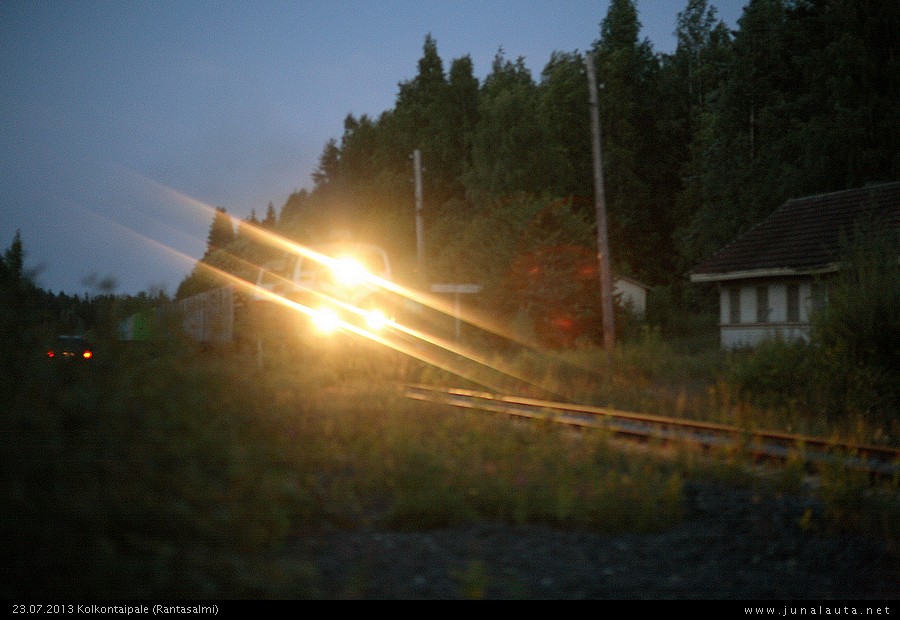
[(123, 123)]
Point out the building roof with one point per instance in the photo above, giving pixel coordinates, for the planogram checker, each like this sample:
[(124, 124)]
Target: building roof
[(632, 281), (802, 236)]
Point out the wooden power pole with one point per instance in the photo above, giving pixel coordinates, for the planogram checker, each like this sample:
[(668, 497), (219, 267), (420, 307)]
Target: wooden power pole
[(606, 296), (420, 224)]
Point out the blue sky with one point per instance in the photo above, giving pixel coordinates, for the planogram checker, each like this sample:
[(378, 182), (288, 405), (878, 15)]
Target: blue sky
[(120, 120)]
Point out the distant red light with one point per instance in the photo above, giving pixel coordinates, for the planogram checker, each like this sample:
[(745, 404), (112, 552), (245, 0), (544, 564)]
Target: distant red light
[(87, 355), (51, 354)]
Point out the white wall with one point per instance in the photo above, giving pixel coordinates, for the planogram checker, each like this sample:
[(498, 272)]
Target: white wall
[(633, 296), (750, 331)]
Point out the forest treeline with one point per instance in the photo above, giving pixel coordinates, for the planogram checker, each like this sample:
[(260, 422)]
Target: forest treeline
[(697, 145)]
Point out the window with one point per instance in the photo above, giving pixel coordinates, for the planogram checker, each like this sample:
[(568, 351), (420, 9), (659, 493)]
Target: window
[(762, 304), (793, 303), (819, 297), (734, 304)]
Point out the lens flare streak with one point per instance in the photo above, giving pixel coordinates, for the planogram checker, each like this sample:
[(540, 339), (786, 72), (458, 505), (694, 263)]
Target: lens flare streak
[(420, 339)]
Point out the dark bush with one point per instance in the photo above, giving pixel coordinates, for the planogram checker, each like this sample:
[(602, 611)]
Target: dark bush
[(850, 365)]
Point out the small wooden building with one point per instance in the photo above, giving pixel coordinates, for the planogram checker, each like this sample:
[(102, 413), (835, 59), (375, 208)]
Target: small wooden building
[(631, 294), (773, 278)]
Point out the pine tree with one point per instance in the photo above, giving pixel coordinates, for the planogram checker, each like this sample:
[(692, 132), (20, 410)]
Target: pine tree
[(563, 94), (221, 232), (271, 219), (460, 119), (509, 147), (693, 77), (12, 263), (637, 158)]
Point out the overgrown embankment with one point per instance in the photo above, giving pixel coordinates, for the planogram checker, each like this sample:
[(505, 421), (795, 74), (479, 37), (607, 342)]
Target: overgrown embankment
[(167, 471)]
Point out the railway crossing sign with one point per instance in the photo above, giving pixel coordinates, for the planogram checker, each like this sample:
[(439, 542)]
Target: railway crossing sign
[(456, 290)]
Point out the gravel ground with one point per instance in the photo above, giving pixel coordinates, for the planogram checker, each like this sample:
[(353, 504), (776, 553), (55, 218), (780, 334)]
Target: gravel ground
[(732, 545)]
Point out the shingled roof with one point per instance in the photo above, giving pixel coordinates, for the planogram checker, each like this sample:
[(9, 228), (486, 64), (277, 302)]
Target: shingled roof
[(801, 236)]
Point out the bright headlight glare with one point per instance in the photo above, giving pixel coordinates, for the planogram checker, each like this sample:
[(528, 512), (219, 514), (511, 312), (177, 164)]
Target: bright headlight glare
[(326, 320), (376, 320), (349, 271)]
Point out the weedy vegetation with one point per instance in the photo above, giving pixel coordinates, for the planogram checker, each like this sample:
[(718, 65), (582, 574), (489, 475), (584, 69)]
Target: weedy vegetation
[(167, 470), (163, 469)]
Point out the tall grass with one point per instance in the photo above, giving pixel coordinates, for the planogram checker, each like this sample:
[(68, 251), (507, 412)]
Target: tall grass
[(846, 375), (169, 471), (166, 470), (137, 477)]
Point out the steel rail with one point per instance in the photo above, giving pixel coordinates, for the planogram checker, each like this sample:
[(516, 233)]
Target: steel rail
[(878, 460)]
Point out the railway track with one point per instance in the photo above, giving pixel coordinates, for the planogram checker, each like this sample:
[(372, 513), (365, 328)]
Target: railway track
[(879, 461)]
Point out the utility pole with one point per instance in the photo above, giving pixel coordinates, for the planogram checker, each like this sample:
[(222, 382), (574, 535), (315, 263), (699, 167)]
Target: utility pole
[(420, 224), (606, 296)]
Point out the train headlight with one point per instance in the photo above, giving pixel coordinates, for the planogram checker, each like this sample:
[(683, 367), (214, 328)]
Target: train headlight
[(376, 320), (349, 272), (326, 320)]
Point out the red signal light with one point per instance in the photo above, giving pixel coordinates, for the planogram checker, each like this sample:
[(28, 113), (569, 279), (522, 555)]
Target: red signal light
[(587, 271), (87, 355), (51, 354), (563, 323)]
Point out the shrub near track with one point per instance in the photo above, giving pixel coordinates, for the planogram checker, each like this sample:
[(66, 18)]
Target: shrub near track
[(172, 472), (142, 476), (371, 456)]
